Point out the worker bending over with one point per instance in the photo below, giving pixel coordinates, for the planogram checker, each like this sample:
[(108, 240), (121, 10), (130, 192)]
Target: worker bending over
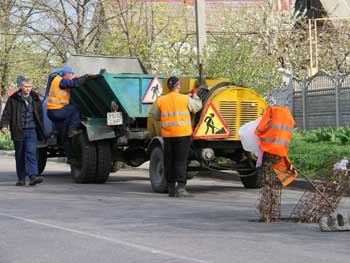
[(58, 106)]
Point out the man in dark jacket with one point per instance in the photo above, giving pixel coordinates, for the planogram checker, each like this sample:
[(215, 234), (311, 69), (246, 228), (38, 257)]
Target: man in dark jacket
[(23, 114)]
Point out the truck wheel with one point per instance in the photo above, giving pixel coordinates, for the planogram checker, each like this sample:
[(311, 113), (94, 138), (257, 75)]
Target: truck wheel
[(103, 162), (83, 164), (156, 171), (41, 155), (252, 182)]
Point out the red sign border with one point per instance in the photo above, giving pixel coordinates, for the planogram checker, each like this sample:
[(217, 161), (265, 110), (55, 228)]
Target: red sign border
[(148, 89), (214, 136)]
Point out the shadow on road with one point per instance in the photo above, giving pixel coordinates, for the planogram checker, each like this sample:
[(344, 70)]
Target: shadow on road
[(124, 181)]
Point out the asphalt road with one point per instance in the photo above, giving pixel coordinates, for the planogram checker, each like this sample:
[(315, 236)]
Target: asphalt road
[(124, 221)]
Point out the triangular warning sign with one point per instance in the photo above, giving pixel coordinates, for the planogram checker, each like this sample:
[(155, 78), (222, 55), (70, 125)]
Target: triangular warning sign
[(153, 91), (211, 125)]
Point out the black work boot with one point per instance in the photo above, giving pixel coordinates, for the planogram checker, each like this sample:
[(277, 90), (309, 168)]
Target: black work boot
[(171, 189), (40, 179), (21, 183), (182, 192), (34, 180)]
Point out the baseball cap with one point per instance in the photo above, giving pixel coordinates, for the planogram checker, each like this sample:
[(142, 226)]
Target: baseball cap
[(65, 70), (173, 82)]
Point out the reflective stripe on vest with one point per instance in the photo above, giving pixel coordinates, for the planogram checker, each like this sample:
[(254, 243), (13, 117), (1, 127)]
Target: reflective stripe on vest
[(275, 130), (285, 172), (279, 127), (282, 142), (180, 113), (175, 123), (58, 97), (175, 116)]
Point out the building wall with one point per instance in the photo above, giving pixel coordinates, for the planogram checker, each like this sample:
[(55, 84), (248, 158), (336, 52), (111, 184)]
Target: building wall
[(337, 8), (218, 12)]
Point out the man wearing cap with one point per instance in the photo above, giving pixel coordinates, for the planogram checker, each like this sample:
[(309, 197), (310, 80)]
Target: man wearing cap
[(58, 105), (24, 116), (173, 110)]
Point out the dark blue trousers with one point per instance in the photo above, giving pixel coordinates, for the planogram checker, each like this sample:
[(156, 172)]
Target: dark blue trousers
[(69, 114), (25, 152)]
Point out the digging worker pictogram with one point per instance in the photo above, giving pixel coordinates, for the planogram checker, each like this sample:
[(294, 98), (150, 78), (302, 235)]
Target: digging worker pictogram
[(173, 110), (210, 123)]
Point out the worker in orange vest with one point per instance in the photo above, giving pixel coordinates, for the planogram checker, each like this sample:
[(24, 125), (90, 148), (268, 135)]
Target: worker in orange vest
[(58, 105), (173, 110), (275, 132)]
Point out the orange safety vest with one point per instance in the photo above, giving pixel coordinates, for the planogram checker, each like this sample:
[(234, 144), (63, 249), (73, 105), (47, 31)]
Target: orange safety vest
[(285, 171), (275, 130), (58, 97), (175, 116)]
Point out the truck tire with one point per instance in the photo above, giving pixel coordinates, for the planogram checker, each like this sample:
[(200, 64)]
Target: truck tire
[(103, 162), (156, 171), (83, 164), (41, 155), (252, 182)]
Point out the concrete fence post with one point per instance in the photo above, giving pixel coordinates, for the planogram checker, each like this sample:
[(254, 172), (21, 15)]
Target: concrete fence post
[(337, 102), (304, 102)]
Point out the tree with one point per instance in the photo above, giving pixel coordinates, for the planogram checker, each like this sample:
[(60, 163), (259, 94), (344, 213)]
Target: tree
[(334, 45), (160, 36), (68, 26), (254, 45), (14, 17)]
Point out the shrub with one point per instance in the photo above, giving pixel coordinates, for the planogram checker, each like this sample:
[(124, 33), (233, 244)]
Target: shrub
[(5, 142), (316, 152)]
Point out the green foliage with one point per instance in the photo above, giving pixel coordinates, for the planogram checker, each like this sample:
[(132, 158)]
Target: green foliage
[(149, 32), (247, 43), (316, 152), (341, 135), (241, 62), (5, 142)]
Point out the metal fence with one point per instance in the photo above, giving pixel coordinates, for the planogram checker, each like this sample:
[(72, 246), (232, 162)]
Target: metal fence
[(322, 100)]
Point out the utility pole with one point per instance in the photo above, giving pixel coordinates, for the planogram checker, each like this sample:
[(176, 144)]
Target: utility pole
[(200, 28)]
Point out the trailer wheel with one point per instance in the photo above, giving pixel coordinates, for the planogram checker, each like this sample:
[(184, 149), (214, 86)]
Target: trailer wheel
[(103, 162), (41, 156), (252, 182), (156, 171), (83, 164)]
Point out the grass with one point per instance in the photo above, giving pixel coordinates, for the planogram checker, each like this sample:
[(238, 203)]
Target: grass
[(315, 153), (5, 142)]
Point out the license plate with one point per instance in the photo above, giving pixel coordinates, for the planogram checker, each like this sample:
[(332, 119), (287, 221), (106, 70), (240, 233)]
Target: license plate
[(114, 118)]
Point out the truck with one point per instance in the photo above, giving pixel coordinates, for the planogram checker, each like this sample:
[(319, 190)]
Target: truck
[(117, 125)]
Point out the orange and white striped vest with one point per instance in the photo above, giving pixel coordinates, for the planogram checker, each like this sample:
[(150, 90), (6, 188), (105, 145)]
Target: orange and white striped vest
[(58, 97), (285, 171), (275, 131), (175, 116)]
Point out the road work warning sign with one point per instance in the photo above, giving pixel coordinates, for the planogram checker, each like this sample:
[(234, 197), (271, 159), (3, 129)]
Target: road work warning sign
[(211, 125), (153, 91)]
